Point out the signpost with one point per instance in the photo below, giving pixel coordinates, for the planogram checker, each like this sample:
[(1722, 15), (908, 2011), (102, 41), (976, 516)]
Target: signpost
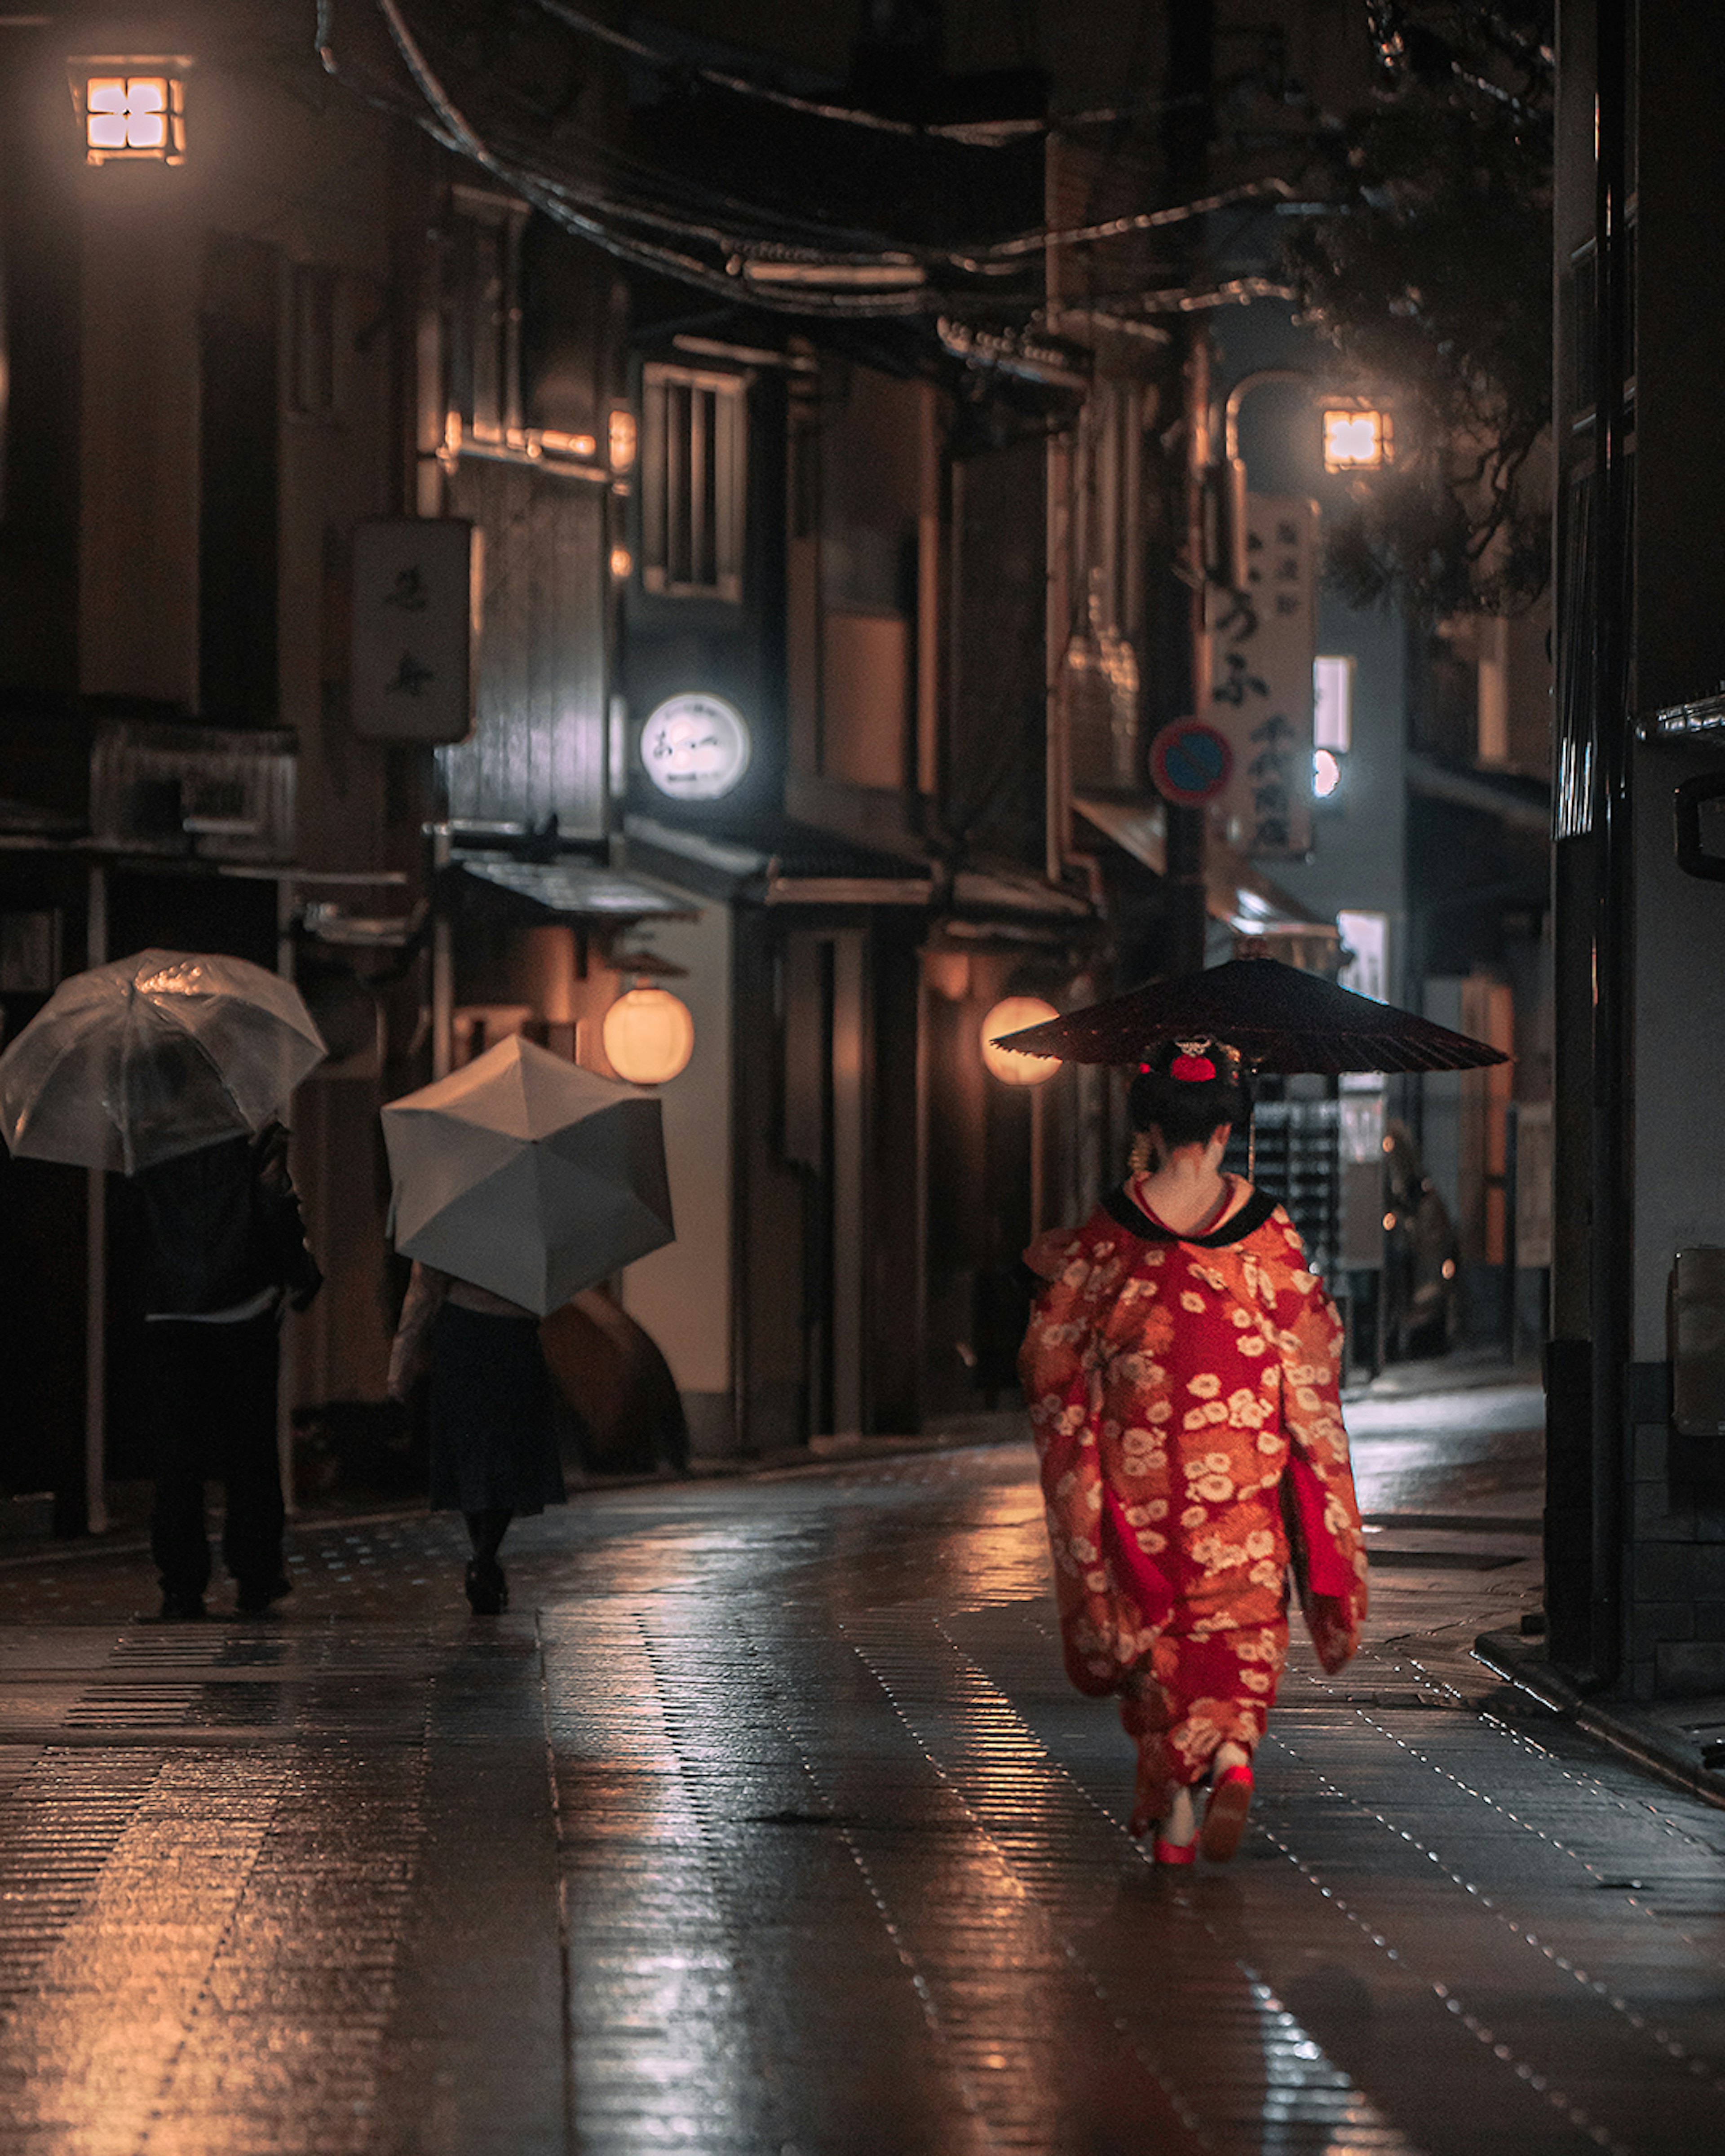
[(1191, 762)]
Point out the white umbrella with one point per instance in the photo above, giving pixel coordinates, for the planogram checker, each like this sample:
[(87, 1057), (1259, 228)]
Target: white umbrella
[(527, 1175), (152, 1056)]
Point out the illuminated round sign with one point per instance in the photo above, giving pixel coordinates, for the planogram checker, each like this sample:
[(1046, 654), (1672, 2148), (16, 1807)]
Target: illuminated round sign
[(696, 748)]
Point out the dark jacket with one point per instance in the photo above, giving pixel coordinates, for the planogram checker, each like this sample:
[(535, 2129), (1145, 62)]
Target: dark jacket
[(217, 1227)]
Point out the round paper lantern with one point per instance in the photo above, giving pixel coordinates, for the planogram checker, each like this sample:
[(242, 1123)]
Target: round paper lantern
[(649, 1036), (1008, 1066)]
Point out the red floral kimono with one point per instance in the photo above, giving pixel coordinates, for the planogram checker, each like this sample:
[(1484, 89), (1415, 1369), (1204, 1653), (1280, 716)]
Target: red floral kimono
[(1183, 1391)]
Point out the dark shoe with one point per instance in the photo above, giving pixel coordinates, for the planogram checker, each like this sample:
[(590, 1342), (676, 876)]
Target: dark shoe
[(487, 1590), (255, 1596), (181, 1608)]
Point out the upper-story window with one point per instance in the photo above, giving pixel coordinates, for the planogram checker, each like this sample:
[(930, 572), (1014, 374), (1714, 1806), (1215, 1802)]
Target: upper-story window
[(693, 467), (482, 313)]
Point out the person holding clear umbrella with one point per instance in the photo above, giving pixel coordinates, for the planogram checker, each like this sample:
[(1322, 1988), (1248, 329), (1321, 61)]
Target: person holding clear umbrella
[(172, 1067), (221, 1246)]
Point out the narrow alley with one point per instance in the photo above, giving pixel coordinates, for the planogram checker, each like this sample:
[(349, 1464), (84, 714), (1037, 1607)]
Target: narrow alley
[(766, 1822)]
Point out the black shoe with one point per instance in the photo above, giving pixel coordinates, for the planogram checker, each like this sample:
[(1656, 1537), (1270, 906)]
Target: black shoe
[(181, 1608), (255, 1596), (487, 1590)]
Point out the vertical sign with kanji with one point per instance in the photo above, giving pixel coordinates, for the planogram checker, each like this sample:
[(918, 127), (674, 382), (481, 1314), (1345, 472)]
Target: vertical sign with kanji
[(1263, 641), (416, 585)]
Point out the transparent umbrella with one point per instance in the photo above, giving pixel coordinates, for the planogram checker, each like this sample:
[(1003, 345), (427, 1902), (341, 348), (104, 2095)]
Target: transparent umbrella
[(527, 1175), (152, 1056)]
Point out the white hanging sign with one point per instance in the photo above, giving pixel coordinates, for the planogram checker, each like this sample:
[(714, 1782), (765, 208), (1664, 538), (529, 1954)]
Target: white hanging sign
[(1263, 641), (416, 600)]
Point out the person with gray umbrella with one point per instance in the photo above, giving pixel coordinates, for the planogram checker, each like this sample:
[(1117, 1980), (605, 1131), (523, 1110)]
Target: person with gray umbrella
[(518, 1181)]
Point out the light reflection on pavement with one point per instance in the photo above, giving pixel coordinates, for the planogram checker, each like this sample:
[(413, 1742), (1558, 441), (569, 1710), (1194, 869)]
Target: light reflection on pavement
[(767, 1822)]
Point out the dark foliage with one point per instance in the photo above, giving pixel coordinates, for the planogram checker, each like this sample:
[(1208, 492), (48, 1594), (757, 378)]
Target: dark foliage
[(1433, 281)]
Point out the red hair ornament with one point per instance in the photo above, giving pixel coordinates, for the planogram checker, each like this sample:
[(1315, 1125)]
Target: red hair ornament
[(1191, 1069)]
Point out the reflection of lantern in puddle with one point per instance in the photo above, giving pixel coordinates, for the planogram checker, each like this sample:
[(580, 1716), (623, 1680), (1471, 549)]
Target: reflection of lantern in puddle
[(1010, 1065), (649, 1036)]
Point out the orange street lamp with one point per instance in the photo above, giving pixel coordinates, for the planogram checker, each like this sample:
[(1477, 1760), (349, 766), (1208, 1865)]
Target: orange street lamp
[(649, 1036), (1356, 437), (131, 107), (1010, 1065)]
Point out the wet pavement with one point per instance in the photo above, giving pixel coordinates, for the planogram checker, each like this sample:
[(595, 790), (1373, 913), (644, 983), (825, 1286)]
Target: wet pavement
[(765, 1825)]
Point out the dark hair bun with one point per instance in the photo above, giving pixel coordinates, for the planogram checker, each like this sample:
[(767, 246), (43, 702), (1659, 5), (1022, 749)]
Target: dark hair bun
[(1185, 1088)]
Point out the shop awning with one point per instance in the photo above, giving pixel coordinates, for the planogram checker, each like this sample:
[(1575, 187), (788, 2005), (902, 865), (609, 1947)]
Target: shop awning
[(1234, 891), (777, 861), (570, 890)]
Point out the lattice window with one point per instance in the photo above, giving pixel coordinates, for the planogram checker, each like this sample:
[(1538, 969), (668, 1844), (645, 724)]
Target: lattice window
[(694, 450)]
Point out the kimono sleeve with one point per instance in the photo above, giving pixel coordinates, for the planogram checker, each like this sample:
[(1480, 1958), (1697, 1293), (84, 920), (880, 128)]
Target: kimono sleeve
[(1330, 1556), (1057, 1368)]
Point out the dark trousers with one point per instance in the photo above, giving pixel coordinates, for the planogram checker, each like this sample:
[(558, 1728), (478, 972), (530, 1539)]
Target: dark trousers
[(215, 1395)]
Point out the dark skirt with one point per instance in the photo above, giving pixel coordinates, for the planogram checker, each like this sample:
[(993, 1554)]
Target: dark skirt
[(494, 1418)]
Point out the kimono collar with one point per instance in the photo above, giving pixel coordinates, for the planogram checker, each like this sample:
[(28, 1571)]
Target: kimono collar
[(1250, 1217)]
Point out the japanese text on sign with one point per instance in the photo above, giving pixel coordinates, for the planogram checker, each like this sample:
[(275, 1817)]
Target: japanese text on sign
[(415, 588), (1263, 641)]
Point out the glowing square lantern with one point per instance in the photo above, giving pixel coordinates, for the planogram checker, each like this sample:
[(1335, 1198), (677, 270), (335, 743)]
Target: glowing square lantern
[(131, 108), (1356, 439)]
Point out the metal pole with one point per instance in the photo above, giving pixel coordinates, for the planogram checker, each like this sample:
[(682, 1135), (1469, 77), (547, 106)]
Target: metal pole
[(443, 962), (1512, 1210), (286, 1358), (1612, 1131), (96, 1270), (1187, 916), (1038, 1176)]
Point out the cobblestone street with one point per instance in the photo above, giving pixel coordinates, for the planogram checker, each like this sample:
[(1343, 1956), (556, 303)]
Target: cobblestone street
[(765, 1822)]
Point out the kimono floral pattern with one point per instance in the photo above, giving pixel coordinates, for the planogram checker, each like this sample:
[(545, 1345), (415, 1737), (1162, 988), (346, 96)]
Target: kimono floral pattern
[(1173, 1386)]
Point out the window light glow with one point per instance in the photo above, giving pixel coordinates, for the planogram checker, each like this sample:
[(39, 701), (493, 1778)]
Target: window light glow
[(1356, 439), (621, 441), (1332, 703)]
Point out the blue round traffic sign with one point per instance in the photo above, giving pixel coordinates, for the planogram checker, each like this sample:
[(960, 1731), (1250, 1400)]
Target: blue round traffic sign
[(1190, 762)]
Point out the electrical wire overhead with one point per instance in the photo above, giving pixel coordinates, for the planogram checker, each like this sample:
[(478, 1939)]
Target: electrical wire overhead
[(676, 227)]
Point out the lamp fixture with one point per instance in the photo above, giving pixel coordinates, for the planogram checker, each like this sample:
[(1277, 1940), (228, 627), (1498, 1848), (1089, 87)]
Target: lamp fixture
[(1011, 1065), (1356, 437), (131, 106), (649, 1036)]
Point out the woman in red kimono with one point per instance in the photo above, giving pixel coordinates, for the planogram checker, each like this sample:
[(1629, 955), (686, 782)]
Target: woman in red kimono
[(1181, 1368)]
